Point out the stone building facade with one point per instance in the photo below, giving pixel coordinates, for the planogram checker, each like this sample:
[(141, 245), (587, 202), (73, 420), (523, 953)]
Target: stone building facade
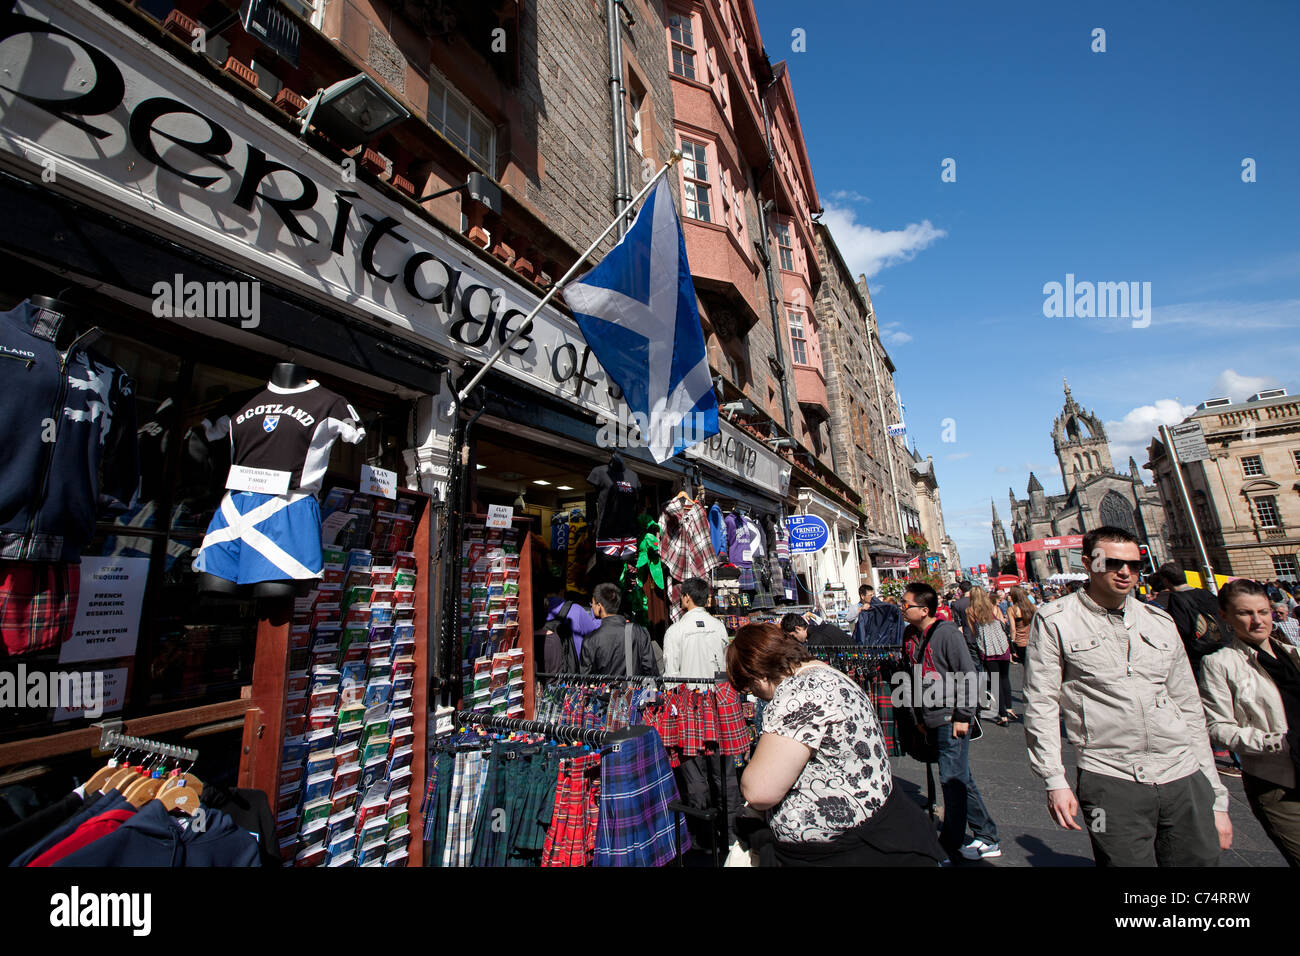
[(1247, 495), (1095, 495)]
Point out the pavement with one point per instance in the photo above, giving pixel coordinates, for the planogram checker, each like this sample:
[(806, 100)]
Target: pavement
[(1015, 799)]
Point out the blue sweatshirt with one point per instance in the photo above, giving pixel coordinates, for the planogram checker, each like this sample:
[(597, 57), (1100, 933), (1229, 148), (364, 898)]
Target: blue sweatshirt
[(64, 415), (153, 838)]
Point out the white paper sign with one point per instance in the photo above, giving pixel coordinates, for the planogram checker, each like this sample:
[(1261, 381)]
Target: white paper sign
[(107, 624), (331, 526), (499, 516), (109, 687), (379, 482), (266, 481)]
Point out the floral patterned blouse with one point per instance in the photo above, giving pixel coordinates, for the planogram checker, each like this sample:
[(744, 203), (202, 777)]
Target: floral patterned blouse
[(847, 778)]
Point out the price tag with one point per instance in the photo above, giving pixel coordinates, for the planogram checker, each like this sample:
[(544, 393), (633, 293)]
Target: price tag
[(379, 482), (499, 516), (266, 481)]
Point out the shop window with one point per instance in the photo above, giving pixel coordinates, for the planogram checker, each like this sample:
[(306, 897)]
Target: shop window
[(1252, 466), (681, 33), (468, 129), (695, 179), (798, 337)]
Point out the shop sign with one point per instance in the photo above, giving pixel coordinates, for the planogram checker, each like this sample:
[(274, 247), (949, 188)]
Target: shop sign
[(111, 596), (499, 516), (808, 533), (126, 126), (732, 451), (112, 694), (379, 482)]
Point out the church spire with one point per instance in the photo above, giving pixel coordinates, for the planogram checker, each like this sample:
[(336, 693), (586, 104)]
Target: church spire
[(1034, 483), (995, 511)]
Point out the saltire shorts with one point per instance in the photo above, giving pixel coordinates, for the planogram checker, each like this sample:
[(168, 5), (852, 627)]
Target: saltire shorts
[(258, 537)]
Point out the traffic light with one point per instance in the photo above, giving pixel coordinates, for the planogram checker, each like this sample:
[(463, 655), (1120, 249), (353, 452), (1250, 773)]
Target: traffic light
[(1148, 566)]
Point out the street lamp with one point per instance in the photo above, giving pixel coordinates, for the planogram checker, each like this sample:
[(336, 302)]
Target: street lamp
[(352, 112)]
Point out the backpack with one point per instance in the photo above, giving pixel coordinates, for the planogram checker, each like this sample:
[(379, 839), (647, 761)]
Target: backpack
[(559, 652), (1208, 632)]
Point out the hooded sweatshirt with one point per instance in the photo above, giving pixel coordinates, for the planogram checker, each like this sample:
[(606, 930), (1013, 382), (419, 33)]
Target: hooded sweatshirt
[(153, 838)]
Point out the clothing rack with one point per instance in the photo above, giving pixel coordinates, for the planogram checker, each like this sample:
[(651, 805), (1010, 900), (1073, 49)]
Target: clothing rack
[(624, 679), (860, 648), (114, 741), (566, 732)]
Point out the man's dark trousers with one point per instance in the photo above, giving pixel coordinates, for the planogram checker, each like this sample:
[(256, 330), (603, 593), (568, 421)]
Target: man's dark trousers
[(1147, 824), (961, 798)]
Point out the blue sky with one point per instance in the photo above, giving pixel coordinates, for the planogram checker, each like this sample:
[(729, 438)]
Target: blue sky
[(1122, 166)]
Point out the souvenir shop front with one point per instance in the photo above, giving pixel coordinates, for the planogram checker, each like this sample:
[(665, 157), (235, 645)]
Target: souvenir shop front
[(214, 552), (258, 610)]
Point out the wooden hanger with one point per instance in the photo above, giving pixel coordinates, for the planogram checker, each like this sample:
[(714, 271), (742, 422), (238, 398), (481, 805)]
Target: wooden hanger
[(116, 781), (100, 776), (184, 798), (178, 780)]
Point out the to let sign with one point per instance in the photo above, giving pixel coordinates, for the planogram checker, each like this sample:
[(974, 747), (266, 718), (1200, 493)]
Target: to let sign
[(808, 533)]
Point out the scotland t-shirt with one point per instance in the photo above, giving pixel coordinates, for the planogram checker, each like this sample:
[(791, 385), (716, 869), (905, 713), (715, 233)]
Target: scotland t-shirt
[(291, 430)]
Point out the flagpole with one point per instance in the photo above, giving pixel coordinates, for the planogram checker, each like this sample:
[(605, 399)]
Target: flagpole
[(524, 326)]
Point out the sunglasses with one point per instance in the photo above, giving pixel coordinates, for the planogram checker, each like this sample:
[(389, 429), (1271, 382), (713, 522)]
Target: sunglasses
[(906, 607), (1113, 565)]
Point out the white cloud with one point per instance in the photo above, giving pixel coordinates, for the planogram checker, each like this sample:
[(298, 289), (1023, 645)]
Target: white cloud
[(869, 250), (1226, 316), (849, 195), (1002, 470), (1131, 435), (1240, 387), (892, 334), (958, 455)]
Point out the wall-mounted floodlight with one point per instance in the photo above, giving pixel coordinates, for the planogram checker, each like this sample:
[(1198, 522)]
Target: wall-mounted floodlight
[(352, 112), (742, 407), (481, 189), (782, 443)]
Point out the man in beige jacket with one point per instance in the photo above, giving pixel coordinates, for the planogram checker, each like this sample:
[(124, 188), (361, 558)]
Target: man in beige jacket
[(1115, 669), (1251, 693)]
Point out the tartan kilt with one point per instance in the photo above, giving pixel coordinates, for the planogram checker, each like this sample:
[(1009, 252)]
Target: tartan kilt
[(636, 828), (38, 603), (733, 732)]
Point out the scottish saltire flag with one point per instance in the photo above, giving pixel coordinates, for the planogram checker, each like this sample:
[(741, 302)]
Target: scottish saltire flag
[(636, 309)]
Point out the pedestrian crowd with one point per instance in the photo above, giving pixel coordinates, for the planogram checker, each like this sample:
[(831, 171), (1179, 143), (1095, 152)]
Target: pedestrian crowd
[(1159, 690)]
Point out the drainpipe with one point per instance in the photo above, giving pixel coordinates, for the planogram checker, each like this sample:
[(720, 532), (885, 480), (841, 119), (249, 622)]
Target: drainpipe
[(616, 92), (880, 406), (773, 299)]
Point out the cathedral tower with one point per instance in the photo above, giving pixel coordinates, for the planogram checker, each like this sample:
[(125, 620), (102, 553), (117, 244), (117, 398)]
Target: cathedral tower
[(1080, 442)]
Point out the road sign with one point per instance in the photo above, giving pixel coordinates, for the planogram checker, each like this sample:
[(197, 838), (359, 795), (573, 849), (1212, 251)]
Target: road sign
[(1189, 442)]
